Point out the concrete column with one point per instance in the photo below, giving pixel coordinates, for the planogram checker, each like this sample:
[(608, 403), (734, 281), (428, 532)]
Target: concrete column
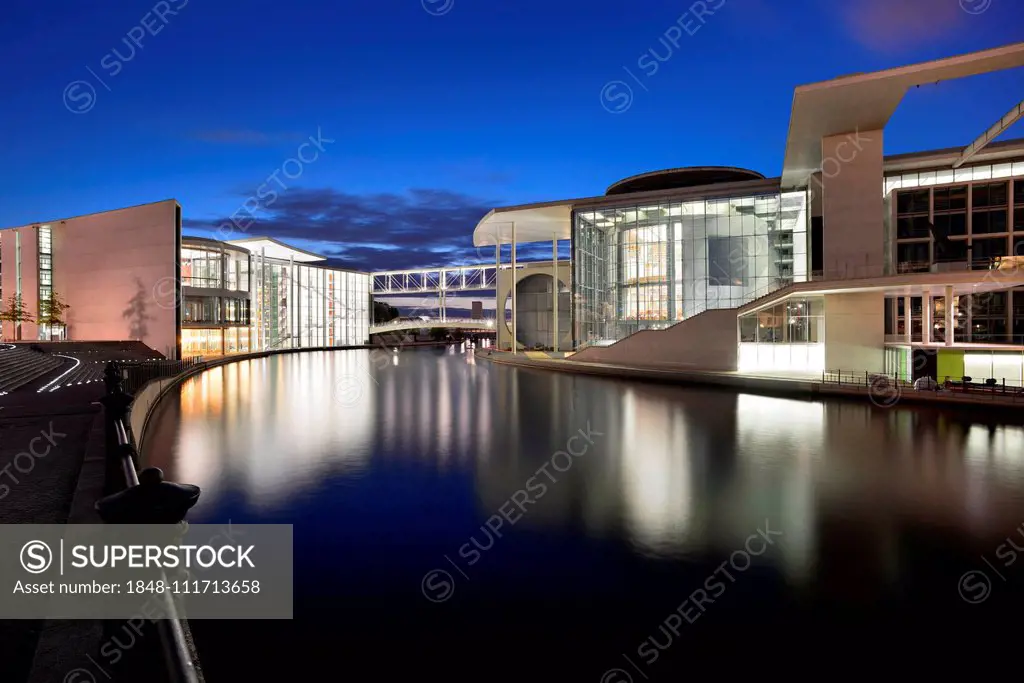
[(908, 332), (293, 301), (949, 315), (499, 311), (554, 293), (262, 333), (670, 254), (514, 345), (926, 318), (853, 232), (970, 320)]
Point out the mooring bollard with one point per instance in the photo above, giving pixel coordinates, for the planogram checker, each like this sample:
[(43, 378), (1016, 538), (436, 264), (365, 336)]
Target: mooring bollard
[(151, 501)]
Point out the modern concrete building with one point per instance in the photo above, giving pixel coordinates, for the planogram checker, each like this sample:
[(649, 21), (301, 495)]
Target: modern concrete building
[(851, 259), (129, 274), (107, 266)]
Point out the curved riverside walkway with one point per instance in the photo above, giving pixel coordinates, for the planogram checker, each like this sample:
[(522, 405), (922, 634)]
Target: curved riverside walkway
[(42, 484), (809, 385)]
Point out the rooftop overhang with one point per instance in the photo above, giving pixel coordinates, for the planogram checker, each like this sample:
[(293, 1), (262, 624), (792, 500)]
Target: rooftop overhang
[(864, 102), (964, 283), (276, 249), (532, 223)]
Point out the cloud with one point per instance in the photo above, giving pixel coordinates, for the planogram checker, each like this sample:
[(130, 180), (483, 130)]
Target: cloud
[(421, 228), (241, 136), (894, 25)]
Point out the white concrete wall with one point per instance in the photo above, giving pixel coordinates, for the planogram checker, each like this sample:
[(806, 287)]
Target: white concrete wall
[(704, 342), (855, 331), (142, 407), (504, 290), (29, 278), (853, 239)]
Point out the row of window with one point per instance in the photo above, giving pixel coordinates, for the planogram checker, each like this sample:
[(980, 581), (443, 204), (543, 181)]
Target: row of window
[(955, 198), (799, 321), (918, 256), (214, 269), (946, 176), (955, 224), (45, 237), (215, 310), (982, 318)]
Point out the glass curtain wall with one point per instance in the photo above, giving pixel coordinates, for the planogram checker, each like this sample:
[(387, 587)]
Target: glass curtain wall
[(215, 321), (46, 282), (651, 265), (794, 321), (302, 306), (202, 268)]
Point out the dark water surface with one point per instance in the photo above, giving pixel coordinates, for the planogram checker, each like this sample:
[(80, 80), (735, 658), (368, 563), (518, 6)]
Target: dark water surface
[(442, 531)]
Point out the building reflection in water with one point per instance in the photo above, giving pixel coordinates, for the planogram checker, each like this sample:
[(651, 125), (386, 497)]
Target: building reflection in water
[(672, 472)]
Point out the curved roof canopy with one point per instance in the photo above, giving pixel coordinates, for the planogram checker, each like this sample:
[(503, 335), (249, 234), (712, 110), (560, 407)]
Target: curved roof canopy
[(864, 102), (532, 223), (675, 178)]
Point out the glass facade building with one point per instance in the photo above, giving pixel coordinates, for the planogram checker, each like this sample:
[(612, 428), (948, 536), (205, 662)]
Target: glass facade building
[(299, 305), (235, 300), (648, 265), (215, 298)]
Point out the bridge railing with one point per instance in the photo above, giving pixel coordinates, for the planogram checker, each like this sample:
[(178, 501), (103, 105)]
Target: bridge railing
[(475, 323)]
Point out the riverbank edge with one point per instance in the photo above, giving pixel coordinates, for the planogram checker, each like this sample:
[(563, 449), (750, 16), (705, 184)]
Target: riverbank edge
[(771, 386)]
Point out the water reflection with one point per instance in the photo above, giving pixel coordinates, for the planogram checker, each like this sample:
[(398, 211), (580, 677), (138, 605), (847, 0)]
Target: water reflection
[(386, 463), (673, 471)]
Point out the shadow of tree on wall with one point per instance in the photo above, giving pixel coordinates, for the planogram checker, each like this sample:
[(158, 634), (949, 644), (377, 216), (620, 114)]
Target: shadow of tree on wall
[(136, 315)]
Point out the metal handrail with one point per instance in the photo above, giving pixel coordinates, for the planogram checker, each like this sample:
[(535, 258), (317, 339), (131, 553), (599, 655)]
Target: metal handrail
[(865, 379), (180, 667)]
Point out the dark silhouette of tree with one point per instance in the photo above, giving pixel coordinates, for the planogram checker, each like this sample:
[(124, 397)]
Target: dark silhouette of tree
[(136, 315)]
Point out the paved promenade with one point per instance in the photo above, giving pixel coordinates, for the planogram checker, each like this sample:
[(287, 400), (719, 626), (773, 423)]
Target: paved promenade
[(43, 443)]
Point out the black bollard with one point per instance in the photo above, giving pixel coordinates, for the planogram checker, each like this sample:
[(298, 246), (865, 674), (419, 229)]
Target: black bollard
[(153, 501)]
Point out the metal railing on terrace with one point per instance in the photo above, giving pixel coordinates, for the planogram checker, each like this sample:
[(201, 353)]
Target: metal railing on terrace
[(894, 385), (135, 374)]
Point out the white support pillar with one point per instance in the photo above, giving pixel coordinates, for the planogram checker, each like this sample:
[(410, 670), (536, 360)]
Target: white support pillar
[(926, 317), (515, 346), (949, 315), (908, 329), (499, 310), (970, 320), (293, 301), (554, 293), (262, 333)]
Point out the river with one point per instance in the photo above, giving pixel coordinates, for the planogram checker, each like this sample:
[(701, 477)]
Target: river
[(469, 521)]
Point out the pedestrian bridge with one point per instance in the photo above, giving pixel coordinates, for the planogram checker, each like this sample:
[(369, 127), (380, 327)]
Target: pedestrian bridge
[(486, 324)]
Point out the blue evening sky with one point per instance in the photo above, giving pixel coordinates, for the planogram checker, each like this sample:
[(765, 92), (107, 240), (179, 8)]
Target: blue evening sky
[(438, 110)]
